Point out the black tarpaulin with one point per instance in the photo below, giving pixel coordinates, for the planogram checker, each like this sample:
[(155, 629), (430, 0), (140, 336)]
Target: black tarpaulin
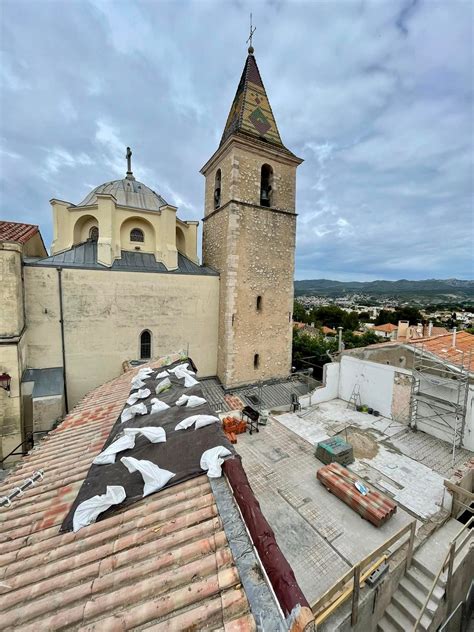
[(181, 453)]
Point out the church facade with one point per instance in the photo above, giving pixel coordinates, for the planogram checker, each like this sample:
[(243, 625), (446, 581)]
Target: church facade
[(123, 280)]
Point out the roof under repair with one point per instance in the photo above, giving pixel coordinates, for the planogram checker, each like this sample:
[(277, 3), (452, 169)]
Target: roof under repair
[(177, 558)]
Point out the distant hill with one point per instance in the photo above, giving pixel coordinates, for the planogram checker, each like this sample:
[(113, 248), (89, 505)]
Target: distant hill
[(434, 289)]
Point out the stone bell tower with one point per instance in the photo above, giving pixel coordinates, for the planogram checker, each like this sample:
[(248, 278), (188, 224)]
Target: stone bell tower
[(249, 237)]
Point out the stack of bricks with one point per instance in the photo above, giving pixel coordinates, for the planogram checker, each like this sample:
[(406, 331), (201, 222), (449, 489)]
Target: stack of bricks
[(234, 402), (232, 427)]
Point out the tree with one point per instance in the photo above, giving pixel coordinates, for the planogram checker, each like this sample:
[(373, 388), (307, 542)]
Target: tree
[(299, 313), (311, 352), (351, 340), (412, 314), (350, 321)]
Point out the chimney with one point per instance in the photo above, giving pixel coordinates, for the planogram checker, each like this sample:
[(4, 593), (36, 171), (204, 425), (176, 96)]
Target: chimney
[(339, 344), (454, 338), (402, 329), (430, 329), (419, 330)]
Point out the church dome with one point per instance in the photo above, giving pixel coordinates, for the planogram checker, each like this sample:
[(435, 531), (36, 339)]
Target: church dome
[(127, 192)]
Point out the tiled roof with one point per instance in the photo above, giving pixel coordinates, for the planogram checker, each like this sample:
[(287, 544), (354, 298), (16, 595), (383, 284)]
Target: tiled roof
[(16, 231), (388, 327), (163, 563), (251, 113), (328, 330), (85, 256), (442, 346)]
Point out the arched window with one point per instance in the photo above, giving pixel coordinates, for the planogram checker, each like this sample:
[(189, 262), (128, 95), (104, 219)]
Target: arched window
[(136, 234), (259, 303), (94, 233), (256, 361), (217, 189), (266, 181), (145, 345)]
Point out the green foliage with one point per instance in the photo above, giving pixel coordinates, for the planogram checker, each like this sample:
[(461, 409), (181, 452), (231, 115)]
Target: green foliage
[(299, 313), (313, 350), (351, 341), (412, 314), (334, 317), (470, 330)]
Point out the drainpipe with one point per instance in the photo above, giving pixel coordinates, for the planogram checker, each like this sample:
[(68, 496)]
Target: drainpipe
[(454, 338), (339, 343), (63, 348)]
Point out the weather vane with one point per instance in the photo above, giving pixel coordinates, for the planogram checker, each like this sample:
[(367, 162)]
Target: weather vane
[(252, 31)]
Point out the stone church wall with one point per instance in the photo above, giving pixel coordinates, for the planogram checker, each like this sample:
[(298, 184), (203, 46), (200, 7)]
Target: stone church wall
[(104, 314)]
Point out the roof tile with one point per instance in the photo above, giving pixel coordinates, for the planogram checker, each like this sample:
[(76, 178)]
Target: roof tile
[(17, 231), (163, 562)]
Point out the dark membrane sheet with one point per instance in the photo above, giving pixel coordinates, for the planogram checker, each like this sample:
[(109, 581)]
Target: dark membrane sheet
[(181, 453)]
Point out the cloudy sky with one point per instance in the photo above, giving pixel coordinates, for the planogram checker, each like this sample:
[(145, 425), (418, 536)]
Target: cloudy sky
[(375, 96)]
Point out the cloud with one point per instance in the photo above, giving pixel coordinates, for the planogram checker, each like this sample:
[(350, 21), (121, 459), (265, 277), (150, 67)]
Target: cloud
[(375, 96)]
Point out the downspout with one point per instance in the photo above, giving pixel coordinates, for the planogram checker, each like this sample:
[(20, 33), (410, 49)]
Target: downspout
[(63, 348)]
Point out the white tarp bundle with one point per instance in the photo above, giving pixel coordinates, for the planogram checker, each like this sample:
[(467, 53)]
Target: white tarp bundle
[(211, 460), (157, 405), (108, 455), (199, 420), (154, 434), (189, 381), (154, 477), (132, 411), (87, 512), (140, 394), (137, 381), (191, 401), (162, 375), (164, 385), (181, 368)]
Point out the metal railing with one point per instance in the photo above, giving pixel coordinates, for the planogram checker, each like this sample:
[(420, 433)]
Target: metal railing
[(448, 564), (27, 442), (351, 583)]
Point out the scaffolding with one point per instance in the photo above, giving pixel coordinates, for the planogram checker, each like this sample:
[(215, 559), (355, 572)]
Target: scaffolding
[(439, 394)]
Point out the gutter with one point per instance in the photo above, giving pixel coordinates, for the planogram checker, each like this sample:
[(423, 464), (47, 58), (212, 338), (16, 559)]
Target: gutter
[(63, 348)]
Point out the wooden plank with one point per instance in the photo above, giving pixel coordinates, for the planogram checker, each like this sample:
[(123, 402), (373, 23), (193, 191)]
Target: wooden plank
[(342, 598), (339, 585), (355, 596), (459, 491)]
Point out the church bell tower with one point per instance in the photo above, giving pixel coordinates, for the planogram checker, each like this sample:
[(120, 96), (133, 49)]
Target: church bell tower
[(249, 237)]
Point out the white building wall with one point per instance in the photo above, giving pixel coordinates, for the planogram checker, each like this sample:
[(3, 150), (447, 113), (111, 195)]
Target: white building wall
[(375, 382), (329, 390)]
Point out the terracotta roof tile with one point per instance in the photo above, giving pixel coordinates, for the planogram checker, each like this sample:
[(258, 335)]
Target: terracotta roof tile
[(388, 327), (442, 346), (16, 231), (163, 562)]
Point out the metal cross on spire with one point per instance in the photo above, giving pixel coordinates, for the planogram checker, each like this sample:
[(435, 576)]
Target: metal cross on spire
[(128, 156), (252, 31)]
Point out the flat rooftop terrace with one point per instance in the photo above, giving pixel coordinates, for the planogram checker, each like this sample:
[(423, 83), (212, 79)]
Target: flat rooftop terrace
[(320, 535)]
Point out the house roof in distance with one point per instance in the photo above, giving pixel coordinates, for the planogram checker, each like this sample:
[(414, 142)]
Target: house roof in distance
[(387, 328), (455, 348), (17, 231), (163, 562)]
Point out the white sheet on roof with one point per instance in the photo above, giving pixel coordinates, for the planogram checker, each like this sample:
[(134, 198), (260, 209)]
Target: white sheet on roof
[(154, 477), (199, 420), (88, 511), (140, 394), (154, 434), (108, 455), (132, 411), (211, 460), (157, 405), (190, 401)]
